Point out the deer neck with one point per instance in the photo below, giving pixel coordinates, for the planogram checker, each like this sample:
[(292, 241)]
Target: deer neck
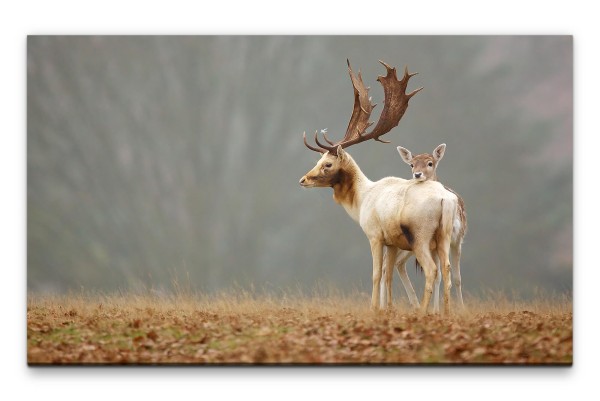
[(349, 187)]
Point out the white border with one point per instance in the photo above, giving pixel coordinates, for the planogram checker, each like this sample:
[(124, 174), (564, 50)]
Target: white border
[(306, 17)]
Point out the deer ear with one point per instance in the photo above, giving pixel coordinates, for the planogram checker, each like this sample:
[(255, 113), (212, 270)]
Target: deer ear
[(438, 152), (341, 154), (405, 154)]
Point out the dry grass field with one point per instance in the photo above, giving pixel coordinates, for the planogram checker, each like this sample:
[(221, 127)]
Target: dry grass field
[(242, 328)]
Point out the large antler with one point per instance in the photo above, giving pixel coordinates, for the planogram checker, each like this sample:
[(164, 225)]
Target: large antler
[(395, 104)]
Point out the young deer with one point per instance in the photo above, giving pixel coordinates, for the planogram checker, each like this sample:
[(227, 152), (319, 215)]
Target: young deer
[(394, 213), (424, 167)]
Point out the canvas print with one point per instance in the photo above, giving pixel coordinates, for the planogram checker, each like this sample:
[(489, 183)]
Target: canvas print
[(299, 200)]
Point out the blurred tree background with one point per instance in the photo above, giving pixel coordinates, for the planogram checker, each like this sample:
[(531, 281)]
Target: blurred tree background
[(154, 160)]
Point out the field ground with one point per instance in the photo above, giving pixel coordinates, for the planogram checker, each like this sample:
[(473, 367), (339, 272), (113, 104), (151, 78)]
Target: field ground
[(247, 329)]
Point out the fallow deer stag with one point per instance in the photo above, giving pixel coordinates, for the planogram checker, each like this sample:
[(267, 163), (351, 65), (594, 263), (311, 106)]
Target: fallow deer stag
[(424, 168), (393, 212)]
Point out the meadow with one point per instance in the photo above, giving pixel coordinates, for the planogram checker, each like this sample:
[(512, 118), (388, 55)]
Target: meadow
[(245, 328)]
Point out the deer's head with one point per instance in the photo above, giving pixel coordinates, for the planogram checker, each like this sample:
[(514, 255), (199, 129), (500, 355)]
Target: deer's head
[(424, 165), (328, 168)]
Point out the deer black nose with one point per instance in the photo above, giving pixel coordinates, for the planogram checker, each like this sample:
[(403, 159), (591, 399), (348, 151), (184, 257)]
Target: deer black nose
[(302, 180), (418, 175)]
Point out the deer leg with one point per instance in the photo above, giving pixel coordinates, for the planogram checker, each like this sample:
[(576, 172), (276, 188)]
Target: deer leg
[(390, 259), (423, 254), (382, 290), (401, 266), (383, 294), (377, 253), (443, 251), (436, 285), (455, 251)]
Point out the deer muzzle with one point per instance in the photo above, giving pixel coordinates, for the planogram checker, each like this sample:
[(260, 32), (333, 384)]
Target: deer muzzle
[(304, 181)]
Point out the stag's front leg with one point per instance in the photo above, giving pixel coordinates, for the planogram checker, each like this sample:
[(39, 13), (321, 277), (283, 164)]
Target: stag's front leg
[(390, 259), (377, 253)]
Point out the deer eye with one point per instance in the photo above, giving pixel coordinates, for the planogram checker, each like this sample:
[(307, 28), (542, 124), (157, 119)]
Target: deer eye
[(328, 165), (430, 164), (412, 165)]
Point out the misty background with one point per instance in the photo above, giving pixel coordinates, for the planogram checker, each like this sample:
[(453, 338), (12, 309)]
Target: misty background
[(157, 162)]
